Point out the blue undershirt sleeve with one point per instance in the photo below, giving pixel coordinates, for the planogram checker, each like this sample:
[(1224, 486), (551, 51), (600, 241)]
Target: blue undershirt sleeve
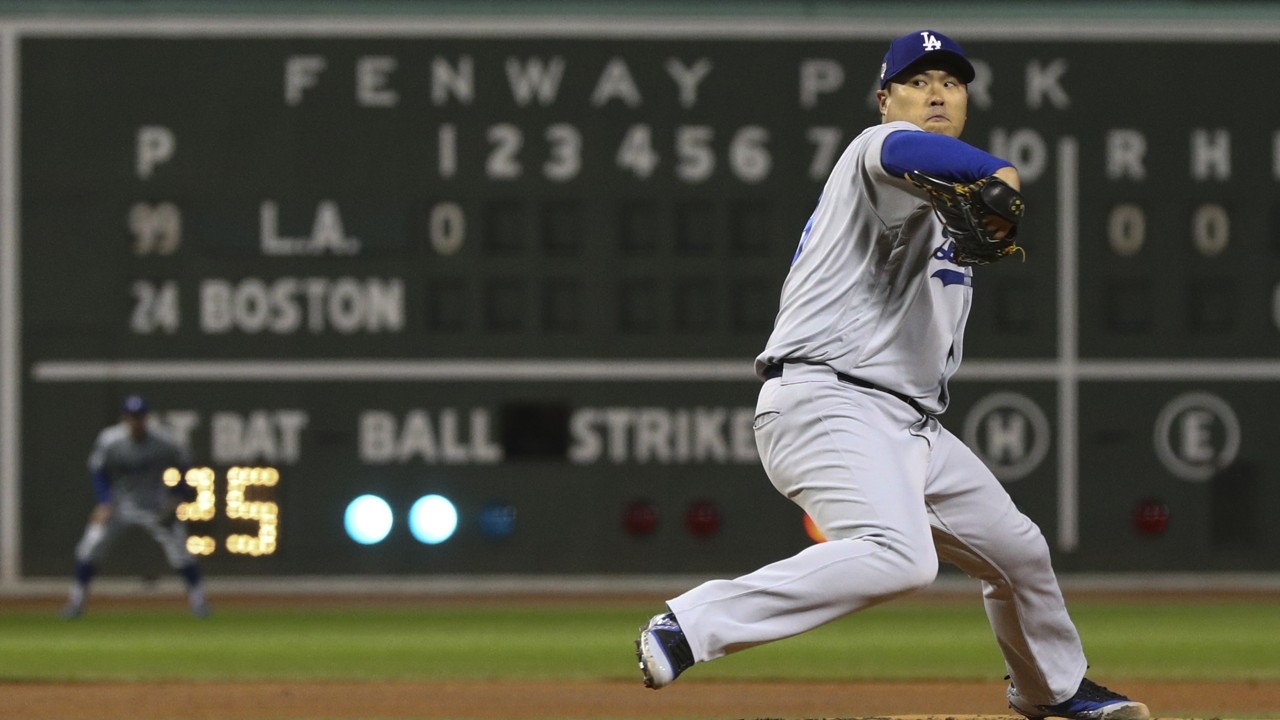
[(102, 486), (937, 155)]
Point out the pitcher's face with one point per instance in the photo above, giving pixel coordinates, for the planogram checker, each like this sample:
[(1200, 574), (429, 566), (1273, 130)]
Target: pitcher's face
[(932, 100)]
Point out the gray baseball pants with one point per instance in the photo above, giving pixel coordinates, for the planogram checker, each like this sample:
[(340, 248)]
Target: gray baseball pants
[(893, 492)]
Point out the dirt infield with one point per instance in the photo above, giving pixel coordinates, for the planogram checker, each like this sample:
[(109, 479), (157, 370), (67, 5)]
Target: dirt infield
[(505, 699)]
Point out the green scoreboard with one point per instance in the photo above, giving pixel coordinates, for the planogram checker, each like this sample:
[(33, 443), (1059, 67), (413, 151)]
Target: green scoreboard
[(478, 297)]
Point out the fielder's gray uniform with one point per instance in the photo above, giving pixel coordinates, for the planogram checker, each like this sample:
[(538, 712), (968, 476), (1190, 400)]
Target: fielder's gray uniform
[(873, 295), (138, 493)]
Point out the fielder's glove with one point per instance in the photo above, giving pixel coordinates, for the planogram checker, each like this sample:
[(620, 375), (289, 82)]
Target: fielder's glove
[(968, 210)]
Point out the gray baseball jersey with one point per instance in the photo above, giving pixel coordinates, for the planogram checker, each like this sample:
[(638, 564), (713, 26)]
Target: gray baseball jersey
[(137, 468), (856, 298), (873, 294)]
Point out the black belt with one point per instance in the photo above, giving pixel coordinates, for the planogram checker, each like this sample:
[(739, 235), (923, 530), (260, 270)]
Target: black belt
[(775, 371)]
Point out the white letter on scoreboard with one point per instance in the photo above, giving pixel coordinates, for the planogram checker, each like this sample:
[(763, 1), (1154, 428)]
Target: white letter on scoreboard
[(1045, 83), (688, 78), (1211, 154), (300, 72), (1126, 150), (155, 146), (817, 77), (377, 436), (372, 72)]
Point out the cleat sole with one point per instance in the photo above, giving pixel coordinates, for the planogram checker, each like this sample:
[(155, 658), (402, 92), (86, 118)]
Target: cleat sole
[(644, 669)]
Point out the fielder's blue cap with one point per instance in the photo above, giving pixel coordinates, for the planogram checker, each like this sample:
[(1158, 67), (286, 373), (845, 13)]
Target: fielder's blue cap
[(135, 405), (906, 51)]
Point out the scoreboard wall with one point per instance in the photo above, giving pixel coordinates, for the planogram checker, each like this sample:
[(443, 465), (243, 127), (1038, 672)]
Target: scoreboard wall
[(528, 271)]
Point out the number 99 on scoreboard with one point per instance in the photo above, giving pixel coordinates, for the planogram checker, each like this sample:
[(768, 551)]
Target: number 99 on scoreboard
[(203, 508)]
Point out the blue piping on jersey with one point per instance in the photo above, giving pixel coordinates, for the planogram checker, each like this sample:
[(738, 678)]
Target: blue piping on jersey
[(804, 236), (953, 277)]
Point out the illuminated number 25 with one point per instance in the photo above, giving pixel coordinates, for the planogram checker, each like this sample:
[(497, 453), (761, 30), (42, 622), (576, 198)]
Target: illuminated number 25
[(202, 508)]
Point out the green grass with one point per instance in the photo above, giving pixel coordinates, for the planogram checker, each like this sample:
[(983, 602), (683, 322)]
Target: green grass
[(925, 640)]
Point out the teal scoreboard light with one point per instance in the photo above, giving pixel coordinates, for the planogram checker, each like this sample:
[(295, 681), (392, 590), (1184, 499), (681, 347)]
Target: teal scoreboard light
[(474, 298)]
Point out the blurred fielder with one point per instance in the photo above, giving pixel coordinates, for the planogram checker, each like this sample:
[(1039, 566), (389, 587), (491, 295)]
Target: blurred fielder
[(127, 466)]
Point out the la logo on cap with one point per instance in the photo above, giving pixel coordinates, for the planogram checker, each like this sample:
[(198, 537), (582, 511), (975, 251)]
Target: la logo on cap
[(930, 42)]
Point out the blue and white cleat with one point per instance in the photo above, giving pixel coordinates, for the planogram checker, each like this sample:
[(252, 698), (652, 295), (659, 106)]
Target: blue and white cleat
[(663, 651), (1091, 702)]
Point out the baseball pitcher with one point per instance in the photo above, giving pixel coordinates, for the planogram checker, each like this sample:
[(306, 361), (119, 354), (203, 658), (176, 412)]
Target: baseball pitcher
[(869, 332)]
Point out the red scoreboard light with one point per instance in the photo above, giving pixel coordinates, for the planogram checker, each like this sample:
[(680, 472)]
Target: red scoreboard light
[(1151, 516), (639, 518), (702, 519)]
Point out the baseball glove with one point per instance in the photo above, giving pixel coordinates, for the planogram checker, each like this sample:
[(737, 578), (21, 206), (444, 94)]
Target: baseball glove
[(967, 211)]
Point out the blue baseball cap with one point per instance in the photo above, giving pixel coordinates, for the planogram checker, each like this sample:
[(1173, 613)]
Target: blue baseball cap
[(914, 47), (135, 405)]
